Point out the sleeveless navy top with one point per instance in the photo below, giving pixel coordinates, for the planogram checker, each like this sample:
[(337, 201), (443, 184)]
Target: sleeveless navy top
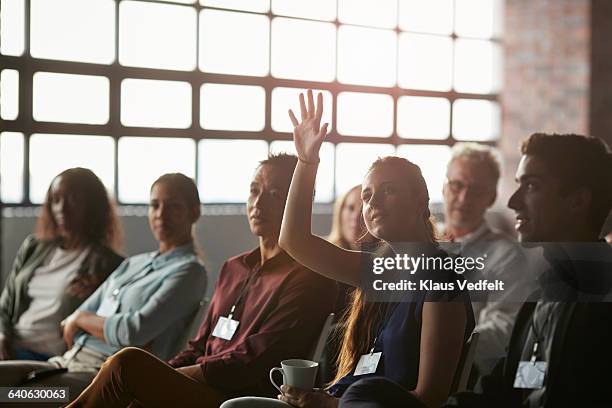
[(400, 338)]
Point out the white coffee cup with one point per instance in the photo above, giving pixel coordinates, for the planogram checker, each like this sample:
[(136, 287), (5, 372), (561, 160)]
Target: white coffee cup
[(297, 373)]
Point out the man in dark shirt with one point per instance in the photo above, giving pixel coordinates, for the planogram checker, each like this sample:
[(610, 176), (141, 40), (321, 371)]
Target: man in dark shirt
[(559, 353), (266, 308)]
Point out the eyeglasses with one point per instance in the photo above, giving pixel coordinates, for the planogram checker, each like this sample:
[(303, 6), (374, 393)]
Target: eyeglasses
[(456, 187)]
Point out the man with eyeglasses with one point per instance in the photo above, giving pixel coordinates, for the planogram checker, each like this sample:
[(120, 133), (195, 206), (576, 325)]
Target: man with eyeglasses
[(469, 191)]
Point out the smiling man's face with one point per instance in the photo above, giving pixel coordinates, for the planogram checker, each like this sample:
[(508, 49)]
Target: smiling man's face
[(542, 211)]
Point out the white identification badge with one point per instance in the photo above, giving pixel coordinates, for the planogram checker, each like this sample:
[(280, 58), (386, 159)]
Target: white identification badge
[(368, 363), (108, 307), (225, 328), (530, 374)]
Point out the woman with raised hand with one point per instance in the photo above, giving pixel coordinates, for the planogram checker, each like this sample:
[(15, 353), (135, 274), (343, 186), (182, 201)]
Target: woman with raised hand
[(149, 301), (70, 254), (419, 341)]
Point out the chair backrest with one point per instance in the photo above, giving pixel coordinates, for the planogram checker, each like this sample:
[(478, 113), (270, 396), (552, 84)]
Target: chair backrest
[(464, 368), (317, 352), (195, 322)]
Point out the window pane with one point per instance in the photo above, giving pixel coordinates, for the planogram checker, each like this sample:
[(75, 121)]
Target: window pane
[(11, 170), (423, 117), (284, 99), (478, 18), (143, 159), (366, 56), (324, 186), (153, 103), (431, 16), (224, 49), (432, 161), (51, 154), (9, 94), (74, 30), (425, 62), (157, 35), (12, 27), (364, 114), (314, 9), (477, 66), (353, 161), (476, 120), (258, 6), (70, 98), (232, 107), (293, 39), (362, 12), (226, 168)]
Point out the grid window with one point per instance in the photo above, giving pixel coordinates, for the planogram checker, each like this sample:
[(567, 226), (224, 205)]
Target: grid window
[(73, 30), (476, 120), (143, 159), (12, 27), (232, 107), (432, 161), (190, 81), (226, 168), (11, 167), (421, 117), (226, 50), (153, 103), (258, 6), (70, 98), (353, 161), (324, 186), (365, 114), (9, 94), (284, 99), (50, 154), (366, 56), (361, 12), (303, 50), (157, 35), (425, 62)]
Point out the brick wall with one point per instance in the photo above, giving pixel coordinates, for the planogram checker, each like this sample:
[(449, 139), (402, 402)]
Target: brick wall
[(546, 73)]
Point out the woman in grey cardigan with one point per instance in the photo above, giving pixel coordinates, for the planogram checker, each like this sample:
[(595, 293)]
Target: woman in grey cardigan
[(59, 266)]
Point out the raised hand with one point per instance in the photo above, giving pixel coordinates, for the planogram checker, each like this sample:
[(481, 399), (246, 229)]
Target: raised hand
[(309, 134)]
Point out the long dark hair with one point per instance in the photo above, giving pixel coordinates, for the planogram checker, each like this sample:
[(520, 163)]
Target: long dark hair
[(362, 316), (99, 225)]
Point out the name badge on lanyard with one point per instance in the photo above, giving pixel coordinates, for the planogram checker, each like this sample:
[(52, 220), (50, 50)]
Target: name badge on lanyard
[(226, 326), (368, 363), (109, 305), (530, 374)]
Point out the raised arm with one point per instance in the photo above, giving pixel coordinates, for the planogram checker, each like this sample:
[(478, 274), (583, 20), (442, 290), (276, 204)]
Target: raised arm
[(296, 237)]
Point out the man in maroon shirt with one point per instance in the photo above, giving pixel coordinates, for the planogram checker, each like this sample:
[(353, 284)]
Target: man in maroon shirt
[(266, 308)]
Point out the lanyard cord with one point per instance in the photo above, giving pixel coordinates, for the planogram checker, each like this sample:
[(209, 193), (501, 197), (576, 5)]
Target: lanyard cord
[(243, 291), (383, 323), (539, 335)]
